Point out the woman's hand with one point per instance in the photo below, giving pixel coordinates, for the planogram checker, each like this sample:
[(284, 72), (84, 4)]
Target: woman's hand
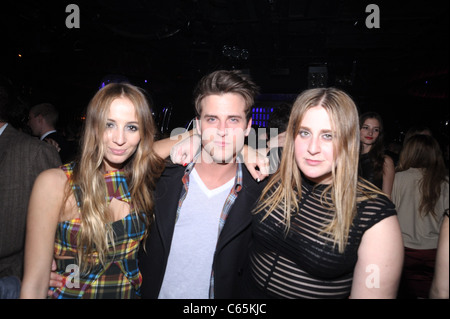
[(256, 162), (277, 141), (184, 151)]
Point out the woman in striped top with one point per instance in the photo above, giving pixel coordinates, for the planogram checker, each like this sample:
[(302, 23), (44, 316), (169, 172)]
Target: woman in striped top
[(320, 231)]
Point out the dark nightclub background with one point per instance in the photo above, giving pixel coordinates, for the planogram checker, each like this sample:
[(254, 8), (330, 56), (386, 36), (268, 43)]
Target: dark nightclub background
[(399, 69)]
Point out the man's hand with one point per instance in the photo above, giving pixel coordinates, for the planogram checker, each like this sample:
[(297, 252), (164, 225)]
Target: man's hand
[(55, 279)]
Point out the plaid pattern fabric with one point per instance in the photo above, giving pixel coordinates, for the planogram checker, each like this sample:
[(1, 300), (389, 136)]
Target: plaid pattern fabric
[(226, 207), (120, 276)]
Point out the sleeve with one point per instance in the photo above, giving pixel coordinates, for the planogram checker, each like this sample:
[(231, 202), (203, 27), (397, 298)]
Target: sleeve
[(395, 191), (373, 211), (45, 156)]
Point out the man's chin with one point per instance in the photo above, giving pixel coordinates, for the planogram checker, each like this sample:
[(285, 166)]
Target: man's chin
[(224, 159)]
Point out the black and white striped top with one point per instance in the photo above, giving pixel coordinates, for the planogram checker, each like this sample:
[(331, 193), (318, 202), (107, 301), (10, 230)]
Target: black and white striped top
[(304, 263)]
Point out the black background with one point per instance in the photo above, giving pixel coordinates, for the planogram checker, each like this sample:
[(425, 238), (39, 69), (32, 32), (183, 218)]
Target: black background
[(399, 69)]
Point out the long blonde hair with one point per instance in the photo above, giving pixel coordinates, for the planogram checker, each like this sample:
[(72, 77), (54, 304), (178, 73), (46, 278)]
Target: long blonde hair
[(283, 191), (141, 170)]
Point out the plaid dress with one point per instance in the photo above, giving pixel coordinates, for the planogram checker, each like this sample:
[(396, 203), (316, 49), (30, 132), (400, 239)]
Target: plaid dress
[(120, 277)]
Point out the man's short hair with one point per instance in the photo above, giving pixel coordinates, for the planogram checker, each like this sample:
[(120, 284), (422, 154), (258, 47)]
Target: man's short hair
[(47, 111), (222, 82)]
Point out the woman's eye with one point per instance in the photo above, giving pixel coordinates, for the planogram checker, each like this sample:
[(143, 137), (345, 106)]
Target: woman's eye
[(133, 128), (327, 136), (109, 125), (303, 133)]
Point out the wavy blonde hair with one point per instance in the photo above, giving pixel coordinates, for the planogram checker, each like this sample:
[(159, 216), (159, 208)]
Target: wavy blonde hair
[(283, 191), (141, 171)]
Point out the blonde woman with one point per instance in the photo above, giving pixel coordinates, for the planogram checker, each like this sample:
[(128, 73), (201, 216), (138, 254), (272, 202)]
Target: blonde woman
[(320, 231), (91, 215)]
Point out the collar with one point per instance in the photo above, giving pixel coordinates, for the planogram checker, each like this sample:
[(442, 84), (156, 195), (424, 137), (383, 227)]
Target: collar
[(46, 134), (2, 129), (237, 181)]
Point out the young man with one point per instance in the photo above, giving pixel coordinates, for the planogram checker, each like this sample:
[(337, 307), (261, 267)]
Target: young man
[(198, 242), (22, 159), (42, 120)]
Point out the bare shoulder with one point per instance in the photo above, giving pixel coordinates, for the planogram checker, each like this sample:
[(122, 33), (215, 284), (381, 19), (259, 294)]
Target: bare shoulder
[(388, 160), (385, 230), (53, 178), (47, 196)]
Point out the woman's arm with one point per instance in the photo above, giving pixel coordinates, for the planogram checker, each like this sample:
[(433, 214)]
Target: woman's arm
[(43, 216), (183, 147), (257, 162), (388, 175), (163, 147), (439, 287), (380, 261)]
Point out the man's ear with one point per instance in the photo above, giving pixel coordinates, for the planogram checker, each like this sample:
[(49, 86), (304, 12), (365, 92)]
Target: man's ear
[(249, 127)]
